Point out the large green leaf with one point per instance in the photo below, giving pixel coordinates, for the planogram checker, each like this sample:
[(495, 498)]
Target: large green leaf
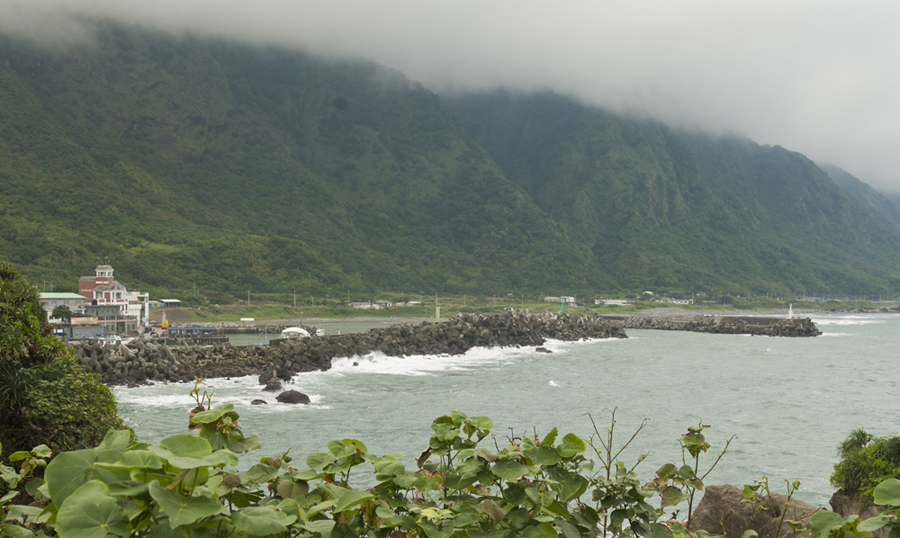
[(185, 445), (320, 526), (70, 470), (212, 415), (183, 510), (492, 510), (509, 470), (873, 523), (571, 445), (544, 455), (251, 442), (350, 499), (887, 493), (821, 522), (193, 454), (544, 530), (116, 440), (261, 520), (318, 460), (571, 486), (434, 531), (90, 512), (134, 460)]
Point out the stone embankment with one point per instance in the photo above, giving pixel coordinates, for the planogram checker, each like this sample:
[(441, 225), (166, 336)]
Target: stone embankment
[(759, 326), (142, 361)]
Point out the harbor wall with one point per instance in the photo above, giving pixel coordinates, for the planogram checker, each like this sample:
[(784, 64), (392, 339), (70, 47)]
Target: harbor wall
[(150, 361)]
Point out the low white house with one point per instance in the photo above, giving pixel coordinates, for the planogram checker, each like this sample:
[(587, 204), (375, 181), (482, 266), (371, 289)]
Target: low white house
[(366, 306), (74, 301), (614, 302)]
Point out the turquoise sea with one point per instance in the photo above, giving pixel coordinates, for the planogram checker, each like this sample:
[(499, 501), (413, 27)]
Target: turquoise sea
[(787, 402)]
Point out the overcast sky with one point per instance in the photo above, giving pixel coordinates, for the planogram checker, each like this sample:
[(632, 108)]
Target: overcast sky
[(815, 76)]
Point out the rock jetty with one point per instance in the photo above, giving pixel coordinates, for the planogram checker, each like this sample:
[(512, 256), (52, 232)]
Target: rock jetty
[(754, 325), (144, 361)]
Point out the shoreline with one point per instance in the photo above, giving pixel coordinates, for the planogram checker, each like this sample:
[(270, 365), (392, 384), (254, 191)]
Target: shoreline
[(660, 312)]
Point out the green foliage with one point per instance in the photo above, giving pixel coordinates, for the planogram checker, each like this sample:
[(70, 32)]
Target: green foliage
[(759, 496), (25, 335), (184, 485), (866, 461), (886, 494), (62, 312), (677, 484), (45, 395)]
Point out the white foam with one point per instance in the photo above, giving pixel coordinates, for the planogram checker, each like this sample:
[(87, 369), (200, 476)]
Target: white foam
[(850, 320), (421, 365), (553, 383)]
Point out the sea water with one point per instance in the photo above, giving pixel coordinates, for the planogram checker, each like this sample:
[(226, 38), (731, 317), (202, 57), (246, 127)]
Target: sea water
[(787, 402)]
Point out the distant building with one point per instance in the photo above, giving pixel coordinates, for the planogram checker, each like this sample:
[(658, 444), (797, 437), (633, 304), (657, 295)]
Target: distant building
[(564, 299), (366, 306), (614, 302), (117, 309), (74, 301), (674, 301)]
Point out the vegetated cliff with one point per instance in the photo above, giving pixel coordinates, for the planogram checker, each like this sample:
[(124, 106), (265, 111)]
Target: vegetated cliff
[(663, 207), (855, 187), (190, 162)]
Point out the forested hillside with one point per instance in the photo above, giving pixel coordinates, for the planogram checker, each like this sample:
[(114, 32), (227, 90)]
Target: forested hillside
[(199, 163), (861, 191), (672, 209)]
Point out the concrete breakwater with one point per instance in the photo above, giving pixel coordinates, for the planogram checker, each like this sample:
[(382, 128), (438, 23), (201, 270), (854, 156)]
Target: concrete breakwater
[(142, 361), (753, 325)]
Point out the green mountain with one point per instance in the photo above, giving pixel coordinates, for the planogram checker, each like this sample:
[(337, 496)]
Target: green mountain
[(854, 186), (679, 210), (186, 162), (189, 162)]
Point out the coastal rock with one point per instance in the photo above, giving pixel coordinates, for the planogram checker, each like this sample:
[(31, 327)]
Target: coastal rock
[(293, 397), (723, 512), (144, 360), (259, 402), (848, 504), (274, 385)]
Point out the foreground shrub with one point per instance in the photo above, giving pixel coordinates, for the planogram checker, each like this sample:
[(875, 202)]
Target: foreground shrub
[(46, 397), (185, 485), (866, 461)]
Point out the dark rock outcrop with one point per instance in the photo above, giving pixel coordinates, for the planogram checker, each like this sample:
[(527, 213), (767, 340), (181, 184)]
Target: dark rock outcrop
[(848, 504), (274, 385), (293, 397), (722, 512)]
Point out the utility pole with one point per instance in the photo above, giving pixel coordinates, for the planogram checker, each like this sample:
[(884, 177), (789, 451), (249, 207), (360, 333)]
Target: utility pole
[(295, 298), (248, 297)]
